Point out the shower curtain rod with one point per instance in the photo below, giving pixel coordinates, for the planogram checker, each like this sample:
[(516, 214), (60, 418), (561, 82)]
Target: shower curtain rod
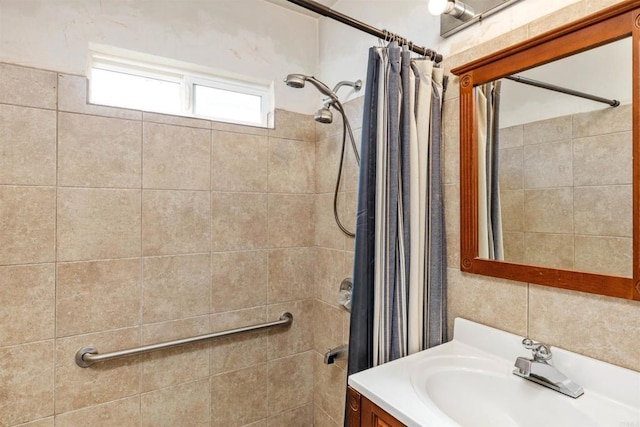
[(381, 34), (543, 85)]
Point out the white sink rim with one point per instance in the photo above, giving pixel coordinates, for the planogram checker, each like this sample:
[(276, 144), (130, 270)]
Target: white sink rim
[(389, 385)]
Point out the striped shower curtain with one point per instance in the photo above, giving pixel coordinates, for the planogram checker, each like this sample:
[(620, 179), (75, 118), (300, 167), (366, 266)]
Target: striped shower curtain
[(490, 241), (399, 294)]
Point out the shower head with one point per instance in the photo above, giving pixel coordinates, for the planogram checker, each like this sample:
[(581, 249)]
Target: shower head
[(323, 115), (295, 80), (299, 80)]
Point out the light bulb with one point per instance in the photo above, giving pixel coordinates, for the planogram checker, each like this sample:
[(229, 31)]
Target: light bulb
[(438, 7)]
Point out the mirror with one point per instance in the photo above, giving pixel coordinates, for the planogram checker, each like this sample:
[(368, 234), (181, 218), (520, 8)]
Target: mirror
[(549, 158)]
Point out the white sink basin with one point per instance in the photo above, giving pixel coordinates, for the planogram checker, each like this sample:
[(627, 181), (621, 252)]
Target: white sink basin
[(475, 391), (468, 382)]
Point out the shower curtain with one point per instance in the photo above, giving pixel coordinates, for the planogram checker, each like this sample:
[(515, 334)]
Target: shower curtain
[(490, 242), (399, 294)]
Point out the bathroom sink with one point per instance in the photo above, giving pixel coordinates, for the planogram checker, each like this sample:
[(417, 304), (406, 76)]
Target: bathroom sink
[(468, 382), (469, 389)]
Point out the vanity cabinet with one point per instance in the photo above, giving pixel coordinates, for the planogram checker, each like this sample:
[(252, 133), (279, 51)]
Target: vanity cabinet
[(364, 413)]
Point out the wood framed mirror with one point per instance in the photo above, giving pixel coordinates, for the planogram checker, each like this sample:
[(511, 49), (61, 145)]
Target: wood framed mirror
[(553, 182)]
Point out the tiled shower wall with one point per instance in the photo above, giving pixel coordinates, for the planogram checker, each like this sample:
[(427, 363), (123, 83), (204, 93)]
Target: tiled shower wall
[(122, 228), (565, 189)]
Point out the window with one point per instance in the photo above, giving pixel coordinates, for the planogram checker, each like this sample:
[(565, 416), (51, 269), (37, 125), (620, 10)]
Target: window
[(153, 86)]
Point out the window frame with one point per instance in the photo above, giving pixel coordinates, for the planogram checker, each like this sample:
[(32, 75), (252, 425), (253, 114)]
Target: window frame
[(188, 79)]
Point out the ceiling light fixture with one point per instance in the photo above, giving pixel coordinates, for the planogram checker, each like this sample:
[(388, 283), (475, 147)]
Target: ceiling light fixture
[(455, 8)]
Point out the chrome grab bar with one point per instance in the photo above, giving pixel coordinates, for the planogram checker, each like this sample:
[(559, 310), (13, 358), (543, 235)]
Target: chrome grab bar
[(87, 356)]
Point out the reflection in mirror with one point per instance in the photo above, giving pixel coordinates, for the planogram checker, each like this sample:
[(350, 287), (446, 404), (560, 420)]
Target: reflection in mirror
[(555, 170)]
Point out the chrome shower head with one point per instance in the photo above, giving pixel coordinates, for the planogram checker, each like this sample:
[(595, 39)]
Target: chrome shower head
[(298, 81), (323, 115), (295, 80)]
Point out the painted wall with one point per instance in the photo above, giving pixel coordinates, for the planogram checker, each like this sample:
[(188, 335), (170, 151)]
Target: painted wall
[(250, 37)]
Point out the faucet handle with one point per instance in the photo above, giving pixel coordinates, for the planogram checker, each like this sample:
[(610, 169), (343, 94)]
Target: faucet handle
[(540, 351)]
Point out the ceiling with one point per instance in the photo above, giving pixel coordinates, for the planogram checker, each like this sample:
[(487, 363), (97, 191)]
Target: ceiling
[(296, 8)]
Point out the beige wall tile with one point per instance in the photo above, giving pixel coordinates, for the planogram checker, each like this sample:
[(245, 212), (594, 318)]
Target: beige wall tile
[(548, 165), (291, 220), (292, 125), (239, 162), (239, 397), (121, 413), (185, 405), (549, 250), (330, 385), (298, 417), (451, 141), (351, 168), (77, 388), (175, 287), (348, 210), (28, 146), (73, 98), (26, 382), (512, 209), (513, 246), (28, 87), (168, 119), (331, 267), (175, 222), (327, 327), (291, 166), (231, 127), (44, 422), (512, 137), (605, 255), (603, 211), (27, 224), (97, 295), (296, 338), (452, 223), (98, 223), (498, 303), (239, 280), (239, 351), (549, 210), (28, 295), (291, 274), (608, 120), (239, 221), (176, 157), (511, 168), (603, 159), (327, 162), (601, 327), (290, 382), (322, 419), (327, 233), (550, 130), (175, 365), (98, 151), (556, 19)]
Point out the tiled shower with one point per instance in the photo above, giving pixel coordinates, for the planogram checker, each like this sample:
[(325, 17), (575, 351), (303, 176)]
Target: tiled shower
[(123, 228)]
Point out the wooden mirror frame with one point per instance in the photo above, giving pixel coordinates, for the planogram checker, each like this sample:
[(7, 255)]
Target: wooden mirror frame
[(609, 25)]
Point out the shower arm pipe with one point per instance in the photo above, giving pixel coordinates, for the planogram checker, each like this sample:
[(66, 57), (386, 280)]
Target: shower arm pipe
[(560, 89), (354, 23), (87, 356)]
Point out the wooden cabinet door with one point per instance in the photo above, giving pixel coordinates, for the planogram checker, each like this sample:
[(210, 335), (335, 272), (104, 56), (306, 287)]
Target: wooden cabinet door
[(364, 413)]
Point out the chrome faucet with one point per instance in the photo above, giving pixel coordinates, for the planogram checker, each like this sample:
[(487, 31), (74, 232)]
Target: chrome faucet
[(336, 353), (541, 371)]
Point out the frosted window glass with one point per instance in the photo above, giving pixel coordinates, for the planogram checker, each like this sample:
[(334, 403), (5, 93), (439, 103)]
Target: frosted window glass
[(227, 105), (138, 92)]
